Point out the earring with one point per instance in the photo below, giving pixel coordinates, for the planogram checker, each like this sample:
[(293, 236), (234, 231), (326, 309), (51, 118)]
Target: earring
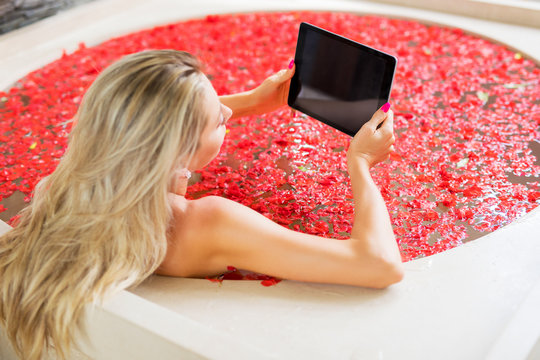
[(184, 173)]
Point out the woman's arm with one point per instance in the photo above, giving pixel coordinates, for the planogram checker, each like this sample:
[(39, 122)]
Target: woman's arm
[(220, 232), (371, 219), (269, 96), (241, 104)]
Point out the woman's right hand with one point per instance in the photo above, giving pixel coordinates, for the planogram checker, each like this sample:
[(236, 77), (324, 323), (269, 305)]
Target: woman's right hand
[(371, 143)]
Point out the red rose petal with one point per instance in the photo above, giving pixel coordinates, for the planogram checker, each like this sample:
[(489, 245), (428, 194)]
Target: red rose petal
[(458, 100)]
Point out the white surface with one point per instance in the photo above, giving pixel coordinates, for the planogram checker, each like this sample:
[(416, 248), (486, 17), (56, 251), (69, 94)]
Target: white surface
[(509, 11), (145, 331), (454, 305), (467, 303), (522, 331)]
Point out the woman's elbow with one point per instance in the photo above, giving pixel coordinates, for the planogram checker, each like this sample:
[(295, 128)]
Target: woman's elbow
[(388, 273), (393, 274)]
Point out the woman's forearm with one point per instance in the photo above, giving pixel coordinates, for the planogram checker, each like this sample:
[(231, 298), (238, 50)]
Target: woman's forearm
[(371, 225), (241, 104)]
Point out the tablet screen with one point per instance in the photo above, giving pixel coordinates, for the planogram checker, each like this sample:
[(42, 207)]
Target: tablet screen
[(338, 81)]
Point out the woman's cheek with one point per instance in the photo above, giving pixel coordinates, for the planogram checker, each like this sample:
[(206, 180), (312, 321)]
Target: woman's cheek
[(216, 143), (220, 139)]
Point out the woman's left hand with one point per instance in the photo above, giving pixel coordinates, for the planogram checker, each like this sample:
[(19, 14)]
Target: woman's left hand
[(269, 96), (274, 91)]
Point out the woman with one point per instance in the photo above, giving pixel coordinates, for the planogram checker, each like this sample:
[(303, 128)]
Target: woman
[(114, 211)]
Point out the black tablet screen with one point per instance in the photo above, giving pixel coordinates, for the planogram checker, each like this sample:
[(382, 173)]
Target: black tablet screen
[(339, 82)]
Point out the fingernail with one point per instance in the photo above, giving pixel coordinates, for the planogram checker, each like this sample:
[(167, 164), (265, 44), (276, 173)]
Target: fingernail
[(385, 107), (291, 64)]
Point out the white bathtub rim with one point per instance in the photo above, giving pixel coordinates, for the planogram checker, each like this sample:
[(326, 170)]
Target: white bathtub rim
[(477, 270), (522, 333), (172, 331)]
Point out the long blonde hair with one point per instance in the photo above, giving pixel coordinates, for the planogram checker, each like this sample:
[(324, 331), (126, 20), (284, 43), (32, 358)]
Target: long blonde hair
[(98, 223)]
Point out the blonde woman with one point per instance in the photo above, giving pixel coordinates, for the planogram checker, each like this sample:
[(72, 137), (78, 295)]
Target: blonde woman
[(114, 211)]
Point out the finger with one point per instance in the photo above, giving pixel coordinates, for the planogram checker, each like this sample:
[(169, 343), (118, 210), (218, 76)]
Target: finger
[(376, 119), (291, 66), (285, 74), (276, 77), (290, 71), (285, 92), (389, 122)]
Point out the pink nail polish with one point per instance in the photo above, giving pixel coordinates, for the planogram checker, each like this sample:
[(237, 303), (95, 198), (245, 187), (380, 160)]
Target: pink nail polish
[(385, 107), (291, 64)]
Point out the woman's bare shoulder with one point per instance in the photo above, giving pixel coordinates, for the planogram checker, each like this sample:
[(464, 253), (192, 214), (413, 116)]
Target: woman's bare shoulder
[(194, 225), (202, 210), (209, 205)]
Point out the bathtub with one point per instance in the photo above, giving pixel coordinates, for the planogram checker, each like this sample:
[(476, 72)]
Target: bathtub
[(477, 301)]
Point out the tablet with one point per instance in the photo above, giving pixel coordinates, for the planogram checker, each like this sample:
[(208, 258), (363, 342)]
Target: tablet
[(339, 81)]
